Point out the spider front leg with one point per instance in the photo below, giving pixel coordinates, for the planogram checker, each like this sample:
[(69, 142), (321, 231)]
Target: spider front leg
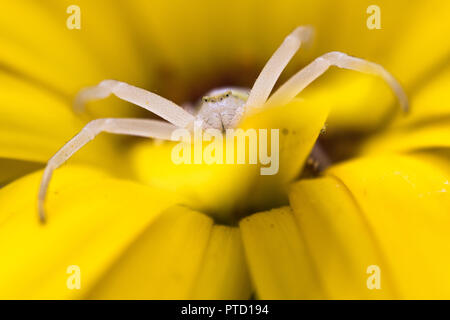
[(164, 108), (271, 72), (318, 158), (308, 74), (134, 127)]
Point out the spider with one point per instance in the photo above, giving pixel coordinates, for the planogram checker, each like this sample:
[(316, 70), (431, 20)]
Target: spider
[(219, 109)]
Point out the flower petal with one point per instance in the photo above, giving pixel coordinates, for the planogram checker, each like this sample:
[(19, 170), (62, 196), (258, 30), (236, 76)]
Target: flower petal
[(223, 273), (92, 219), (40, 46), (432, 101), (411, 52), (426, 126), (279, 262), (406, 202), (299, 124), (338, 239), (426, 136), (180, 256), (35, 124), (360, 103), (212, 48), (208, 188), (163, 262), (419, 51), (223, 189)]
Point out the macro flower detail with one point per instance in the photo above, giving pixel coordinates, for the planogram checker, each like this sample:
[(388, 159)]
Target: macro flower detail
[(372, 196)]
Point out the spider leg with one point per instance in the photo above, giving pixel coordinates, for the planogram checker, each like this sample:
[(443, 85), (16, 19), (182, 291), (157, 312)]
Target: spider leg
[(318, 158), (308, 74), (135, 127), (164, 108), (276, 64)]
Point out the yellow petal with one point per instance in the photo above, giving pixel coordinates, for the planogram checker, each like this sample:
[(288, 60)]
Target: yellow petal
[(181, 256), (359, 102), (163, 262), (411, 52), (337, 236), (40, 46), (406, 202), (224, 189), (34, 124), (279, 262), (430, 103), (208, 51), (208, 188), (92, 219), (299, 124), (428, 135), (425, 127), (223, 273), (418, 51)]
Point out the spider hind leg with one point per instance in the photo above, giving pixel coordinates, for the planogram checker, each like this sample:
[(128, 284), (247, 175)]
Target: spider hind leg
[(134, 127)]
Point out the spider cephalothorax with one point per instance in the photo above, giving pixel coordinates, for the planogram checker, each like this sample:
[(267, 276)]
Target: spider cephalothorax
[(220, 109)]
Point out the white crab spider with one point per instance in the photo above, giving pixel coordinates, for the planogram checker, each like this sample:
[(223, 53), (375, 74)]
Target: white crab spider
[(220, 109)]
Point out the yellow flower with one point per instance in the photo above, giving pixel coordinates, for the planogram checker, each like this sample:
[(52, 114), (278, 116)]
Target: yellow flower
[(137, 226)]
